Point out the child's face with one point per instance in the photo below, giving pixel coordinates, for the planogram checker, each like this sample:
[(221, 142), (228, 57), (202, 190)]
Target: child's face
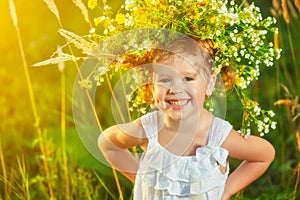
[(179, 88)]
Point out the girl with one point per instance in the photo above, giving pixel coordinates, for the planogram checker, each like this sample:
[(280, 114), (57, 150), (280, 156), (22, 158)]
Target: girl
[(186, 148)]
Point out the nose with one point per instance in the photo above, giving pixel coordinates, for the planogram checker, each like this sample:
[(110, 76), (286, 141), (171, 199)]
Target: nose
[(176, 87)]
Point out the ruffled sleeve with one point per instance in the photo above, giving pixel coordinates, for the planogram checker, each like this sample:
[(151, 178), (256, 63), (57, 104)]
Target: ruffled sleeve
[(219, 131)]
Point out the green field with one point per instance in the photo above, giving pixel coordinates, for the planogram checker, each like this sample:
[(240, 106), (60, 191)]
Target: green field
[(41, 154)]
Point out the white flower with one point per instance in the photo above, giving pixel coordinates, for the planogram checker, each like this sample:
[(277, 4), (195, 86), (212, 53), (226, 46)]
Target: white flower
[(242, 52), (273, 125), (266, 129), (92, 30), (179, 3), (271, 113), (111, 28), (101, 69), (248, 132), (105, 31), (242, 83), (268, 63), (143, 110), (266, 119), (257, 110), (260, 127), (129, 2), (271, 44), (128, 20)]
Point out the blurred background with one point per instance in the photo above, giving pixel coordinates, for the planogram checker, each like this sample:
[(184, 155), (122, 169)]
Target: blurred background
[(41, 155)]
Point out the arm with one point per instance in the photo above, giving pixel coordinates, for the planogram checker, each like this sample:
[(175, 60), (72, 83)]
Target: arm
[(257, 154), (114, 143)]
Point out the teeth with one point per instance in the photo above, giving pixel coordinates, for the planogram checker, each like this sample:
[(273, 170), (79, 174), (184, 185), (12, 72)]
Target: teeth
[(180, 102)]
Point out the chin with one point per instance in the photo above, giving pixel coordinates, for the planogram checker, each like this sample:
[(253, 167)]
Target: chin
[(181, 114)]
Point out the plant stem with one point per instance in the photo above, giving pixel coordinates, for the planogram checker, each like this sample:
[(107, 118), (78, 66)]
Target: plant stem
[(63, 131), (105, 187), (293, 56), (25, 181), (124, 93), (297, 180), (114, 98), (3, 168), (31, 95)]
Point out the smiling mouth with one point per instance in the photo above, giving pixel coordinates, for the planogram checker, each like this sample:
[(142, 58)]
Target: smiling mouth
[(178, 102)]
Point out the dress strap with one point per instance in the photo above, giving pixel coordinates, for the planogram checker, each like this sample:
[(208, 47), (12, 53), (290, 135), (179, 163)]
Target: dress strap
[(219, 131), (149, 122)]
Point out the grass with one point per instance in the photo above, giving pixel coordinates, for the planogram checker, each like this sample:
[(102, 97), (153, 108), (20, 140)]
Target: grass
[(42, 156)]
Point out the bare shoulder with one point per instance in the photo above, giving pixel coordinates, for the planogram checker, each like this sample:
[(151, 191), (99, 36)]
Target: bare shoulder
[(251, 148), (126, 135)]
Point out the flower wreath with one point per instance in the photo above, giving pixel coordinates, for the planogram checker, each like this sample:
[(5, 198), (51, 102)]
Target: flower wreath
[(238, 33)]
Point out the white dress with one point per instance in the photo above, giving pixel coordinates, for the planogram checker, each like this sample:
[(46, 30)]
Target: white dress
[(163, 175)]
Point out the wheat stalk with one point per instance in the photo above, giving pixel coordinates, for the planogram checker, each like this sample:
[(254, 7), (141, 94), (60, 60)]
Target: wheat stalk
[(83, 10), (52, 7), (285, 12), (3, 168), (297, 4), (57, 60), (13, 14), (78, 41)]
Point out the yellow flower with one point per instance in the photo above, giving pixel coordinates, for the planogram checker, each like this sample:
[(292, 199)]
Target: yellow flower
[(213, 19), (120, 18), (92, 4), (97, 21), (196, 15), (216, 45)]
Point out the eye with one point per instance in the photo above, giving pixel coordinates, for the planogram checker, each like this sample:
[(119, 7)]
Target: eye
[(164, 80), (188, 78)]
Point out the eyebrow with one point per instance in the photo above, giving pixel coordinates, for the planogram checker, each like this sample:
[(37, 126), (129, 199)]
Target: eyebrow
[(190, 74)]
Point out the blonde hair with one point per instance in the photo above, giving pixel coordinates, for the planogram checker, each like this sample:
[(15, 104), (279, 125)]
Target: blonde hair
[(183, 48), (198, 54)]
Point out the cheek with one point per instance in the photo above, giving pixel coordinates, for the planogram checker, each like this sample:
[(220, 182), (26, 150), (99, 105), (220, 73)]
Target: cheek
[(199, 94), (158, 92)]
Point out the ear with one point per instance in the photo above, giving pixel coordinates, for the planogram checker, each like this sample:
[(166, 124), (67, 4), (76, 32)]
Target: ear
[(210, 85)]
